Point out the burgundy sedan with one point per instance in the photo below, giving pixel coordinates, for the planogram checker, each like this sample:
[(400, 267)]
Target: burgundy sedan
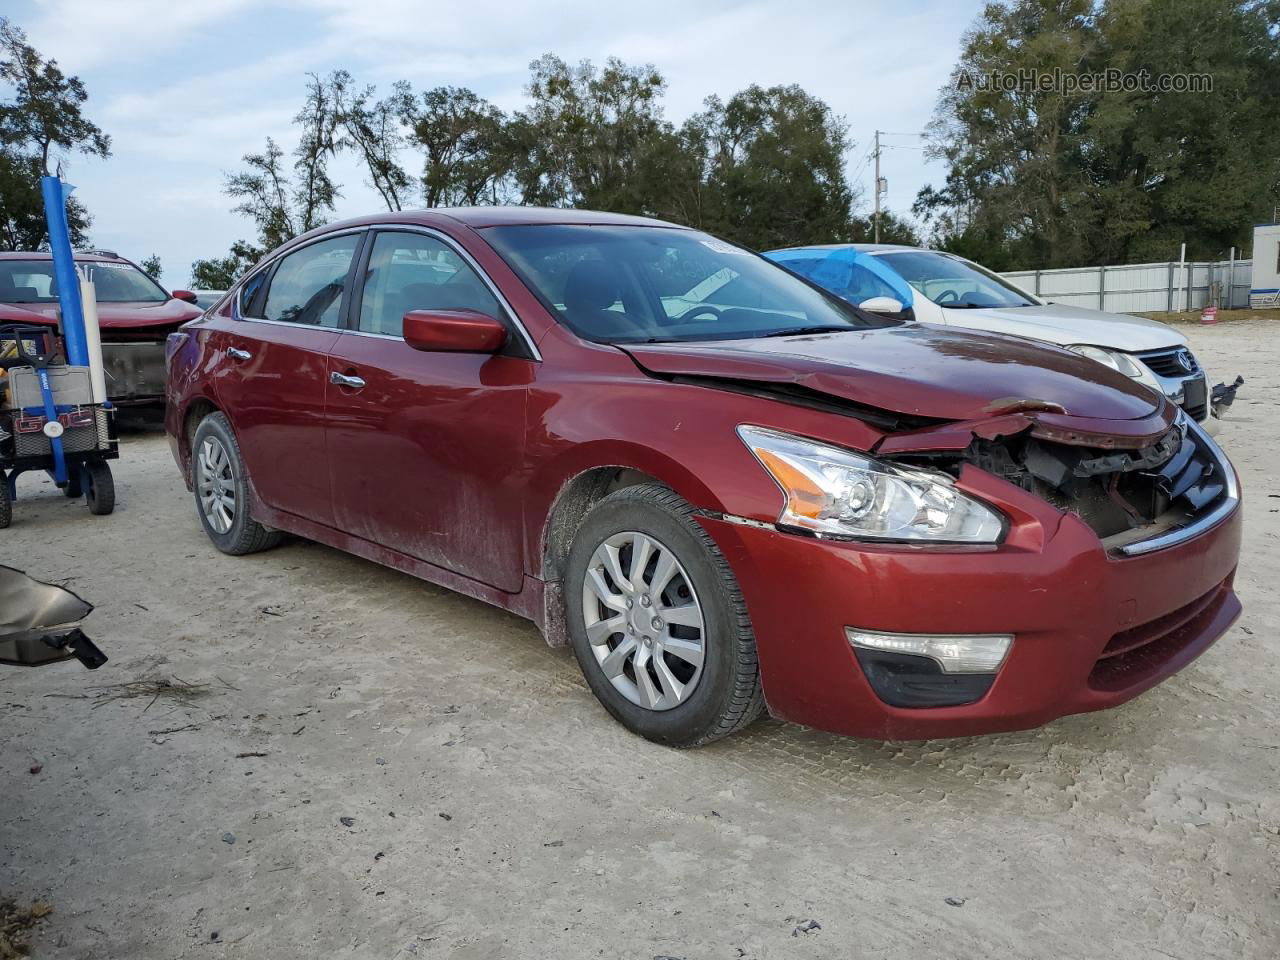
[(135, 315), (726, 489)]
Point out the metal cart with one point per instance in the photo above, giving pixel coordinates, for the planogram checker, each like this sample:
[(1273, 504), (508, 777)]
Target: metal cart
[(44, 425)]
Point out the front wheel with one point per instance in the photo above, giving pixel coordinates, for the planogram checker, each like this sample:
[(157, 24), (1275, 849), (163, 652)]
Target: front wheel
[(657, 621), (100, 488), (221, 486)]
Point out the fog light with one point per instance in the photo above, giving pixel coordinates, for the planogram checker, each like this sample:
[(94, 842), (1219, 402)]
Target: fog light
[(954, 653), (929, 670)]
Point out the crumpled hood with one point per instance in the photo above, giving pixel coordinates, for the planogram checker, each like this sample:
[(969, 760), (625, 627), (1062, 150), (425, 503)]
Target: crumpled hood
[(919, 370), (151, 319), (1062, 324)]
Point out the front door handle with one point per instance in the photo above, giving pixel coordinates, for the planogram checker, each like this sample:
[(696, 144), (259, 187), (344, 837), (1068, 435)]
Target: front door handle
[(239, 354), (342, 380)]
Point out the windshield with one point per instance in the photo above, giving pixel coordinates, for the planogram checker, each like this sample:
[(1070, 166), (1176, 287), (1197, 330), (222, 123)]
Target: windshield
[(32, 281), (951, 282), (652, 284)]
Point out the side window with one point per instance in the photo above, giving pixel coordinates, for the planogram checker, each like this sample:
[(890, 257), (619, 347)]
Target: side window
[(249, 293), (412, 271), (307, 286)]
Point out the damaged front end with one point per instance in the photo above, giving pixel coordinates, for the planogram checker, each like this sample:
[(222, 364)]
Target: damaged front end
[(1137, 499)]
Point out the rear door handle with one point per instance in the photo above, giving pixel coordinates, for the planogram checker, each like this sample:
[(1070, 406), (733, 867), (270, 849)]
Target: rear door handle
[(239, 354), (342, 380)]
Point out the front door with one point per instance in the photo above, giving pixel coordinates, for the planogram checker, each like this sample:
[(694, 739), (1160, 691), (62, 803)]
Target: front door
[(426, 449), (272, 377)]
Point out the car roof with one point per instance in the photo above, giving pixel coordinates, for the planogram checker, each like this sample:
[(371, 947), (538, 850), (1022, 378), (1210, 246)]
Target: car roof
[(479, 217), (46, 255), (860, 247)]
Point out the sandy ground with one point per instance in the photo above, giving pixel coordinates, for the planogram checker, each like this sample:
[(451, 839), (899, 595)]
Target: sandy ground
[(496, 811)]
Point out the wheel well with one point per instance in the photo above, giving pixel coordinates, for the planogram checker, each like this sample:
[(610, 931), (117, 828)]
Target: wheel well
[(573, 503), (197, 411)]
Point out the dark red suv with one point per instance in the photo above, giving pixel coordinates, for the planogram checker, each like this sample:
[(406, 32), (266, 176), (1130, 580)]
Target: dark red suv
[(726, 489), (135, 315)]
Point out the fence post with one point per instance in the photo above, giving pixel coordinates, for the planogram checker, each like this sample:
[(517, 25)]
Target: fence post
[(1102, 288), (1037, 289), (1169, 308)]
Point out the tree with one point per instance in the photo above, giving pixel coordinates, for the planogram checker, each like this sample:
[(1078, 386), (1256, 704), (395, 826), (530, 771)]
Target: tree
[(151, 267), (372, 128), (775, 171), (44, 118), (893, 229), (585, 137), (1043, 176), (464, 139), (219, 273), (22, 220)]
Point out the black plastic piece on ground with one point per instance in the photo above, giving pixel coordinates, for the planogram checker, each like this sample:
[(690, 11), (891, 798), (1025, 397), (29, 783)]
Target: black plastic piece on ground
[(907, 680), (1224, 396)]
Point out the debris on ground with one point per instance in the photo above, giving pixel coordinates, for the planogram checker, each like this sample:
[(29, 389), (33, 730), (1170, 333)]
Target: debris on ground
[(250, 753), (228, 837), (15, 927), (347, 821), (956, 901), (807, 926), (171, 688), (35, 768)]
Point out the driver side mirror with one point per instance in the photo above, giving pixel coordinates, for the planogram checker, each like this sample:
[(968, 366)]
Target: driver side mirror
[(454, 331), (881, 305), (186, 295)]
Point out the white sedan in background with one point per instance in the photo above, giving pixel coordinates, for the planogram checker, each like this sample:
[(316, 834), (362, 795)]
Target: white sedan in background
[(942, 288)]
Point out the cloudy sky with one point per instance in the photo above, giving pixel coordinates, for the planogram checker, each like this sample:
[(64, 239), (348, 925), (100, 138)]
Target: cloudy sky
[(185, 87)]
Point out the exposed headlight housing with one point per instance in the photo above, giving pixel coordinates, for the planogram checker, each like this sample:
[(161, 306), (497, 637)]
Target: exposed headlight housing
[(1120, 362), (834, 492)]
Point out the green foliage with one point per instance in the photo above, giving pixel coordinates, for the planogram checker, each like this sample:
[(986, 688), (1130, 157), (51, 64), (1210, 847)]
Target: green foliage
[(219, 273), (765, 168), (774, 168), (1051, 177), (43, 119), (151, 267)]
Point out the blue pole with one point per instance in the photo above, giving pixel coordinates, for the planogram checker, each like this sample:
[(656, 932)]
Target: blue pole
[(64, 270)]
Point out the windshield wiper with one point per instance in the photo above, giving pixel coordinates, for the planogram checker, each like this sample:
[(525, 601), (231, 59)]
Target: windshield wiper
[(800, 331)]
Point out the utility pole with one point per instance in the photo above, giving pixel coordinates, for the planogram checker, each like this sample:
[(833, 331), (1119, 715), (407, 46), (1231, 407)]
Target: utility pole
[(877, 188)]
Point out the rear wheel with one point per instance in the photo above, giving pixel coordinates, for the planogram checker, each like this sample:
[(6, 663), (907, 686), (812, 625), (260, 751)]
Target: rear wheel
[(100, 489), (657, 621), (221, 485)]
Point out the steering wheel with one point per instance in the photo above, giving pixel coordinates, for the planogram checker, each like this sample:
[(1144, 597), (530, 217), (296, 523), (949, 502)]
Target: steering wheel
[(942, 297), (698, 310)]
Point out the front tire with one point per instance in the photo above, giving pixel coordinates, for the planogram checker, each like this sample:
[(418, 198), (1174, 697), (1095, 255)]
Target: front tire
[(100, 489), (221, 485), (657, 621)]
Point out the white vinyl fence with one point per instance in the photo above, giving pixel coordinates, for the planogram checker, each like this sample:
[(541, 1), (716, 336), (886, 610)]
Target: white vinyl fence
[(1142, 287)]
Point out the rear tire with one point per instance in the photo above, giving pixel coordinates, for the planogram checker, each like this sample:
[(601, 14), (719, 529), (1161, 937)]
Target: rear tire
[(100, 492), (221, 485), (641, 638)]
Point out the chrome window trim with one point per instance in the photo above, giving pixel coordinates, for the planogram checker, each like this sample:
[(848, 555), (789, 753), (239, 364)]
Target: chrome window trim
[(1204, 522), (471, 262)]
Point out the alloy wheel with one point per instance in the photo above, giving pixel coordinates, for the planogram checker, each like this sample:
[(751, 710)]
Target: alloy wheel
[(216, 485), (644, 621)]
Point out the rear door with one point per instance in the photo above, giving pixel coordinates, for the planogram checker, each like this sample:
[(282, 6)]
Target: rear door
[(272, 370), (426, 449)]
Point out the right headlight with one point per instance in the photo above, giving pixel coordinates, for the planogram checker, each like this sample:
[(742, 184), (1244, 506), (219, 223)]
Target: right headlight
[(838, 493), (1120, 362)]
